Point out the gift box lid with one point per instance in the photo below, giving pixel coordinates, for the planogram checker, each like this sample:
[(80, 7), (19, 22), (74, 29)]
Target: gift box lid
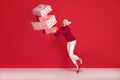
[(41, 10)]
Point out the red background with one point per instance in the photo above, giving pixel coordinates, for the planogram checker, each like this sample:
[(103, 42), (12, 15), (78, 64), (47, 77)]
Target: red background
[(95, 24)]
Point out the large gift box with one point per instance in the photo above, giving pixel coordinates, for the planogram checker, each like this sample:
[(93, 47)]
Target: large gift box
[(41, 10), (44, 24)]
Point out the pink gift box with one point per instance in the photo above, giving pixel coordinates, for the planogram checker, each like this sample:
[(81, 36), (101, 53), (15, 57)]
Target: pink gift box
[(41, 10), (38, 25), (50, 21), (45, 24)]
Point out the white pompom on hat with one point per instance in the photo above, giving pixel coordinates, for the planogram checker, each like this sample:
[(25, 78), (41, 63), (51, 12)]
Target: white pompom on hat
[(66, 22)]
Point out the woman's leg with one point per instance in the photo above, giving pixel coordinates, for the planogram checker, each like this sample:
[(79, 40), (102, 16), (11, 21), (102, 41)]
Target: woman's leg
[(70, 49), (74, 58), (71, 46)]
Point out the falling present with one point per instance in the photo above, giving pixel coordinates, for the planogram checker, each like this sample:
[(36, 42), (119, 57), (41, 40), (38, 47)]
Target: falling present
[(46, 24), (49, 22), (47, 31), (38, 25), (41, 10)]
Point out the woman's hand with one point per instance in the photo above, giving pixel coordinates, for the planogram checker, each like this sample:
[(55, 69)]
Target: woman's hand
[(53, 30)]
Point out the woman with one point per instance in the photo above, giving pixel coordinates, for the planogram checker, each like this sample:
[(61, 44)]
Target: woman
[(71, 42)]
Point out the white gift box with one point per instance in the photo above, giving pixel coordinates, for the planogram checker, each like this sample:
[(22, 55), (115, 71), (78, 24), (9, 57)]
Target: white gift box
[(45, 24), (41, 10)]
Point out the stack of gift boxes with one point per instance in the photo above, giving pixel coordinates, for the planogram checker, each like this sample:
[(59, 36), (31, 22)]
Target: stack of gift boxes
[(43, 21)]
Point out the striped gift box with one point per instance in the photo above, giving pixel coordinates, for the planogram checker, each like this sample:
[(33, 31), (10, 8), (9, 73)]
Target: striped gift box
[(38, 25), (41, 10), (46, 24), (50, 22)]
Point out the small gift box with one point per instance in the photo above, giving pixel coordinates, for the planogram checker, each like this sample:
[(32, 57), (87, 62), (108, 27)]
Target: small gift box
[(50, 21), (41, 10), (38, 25), (45, 24)]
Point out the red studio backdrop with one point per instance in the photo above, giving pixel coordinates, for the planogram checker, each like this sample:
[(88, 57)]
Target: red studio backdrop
[(95, 24)]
